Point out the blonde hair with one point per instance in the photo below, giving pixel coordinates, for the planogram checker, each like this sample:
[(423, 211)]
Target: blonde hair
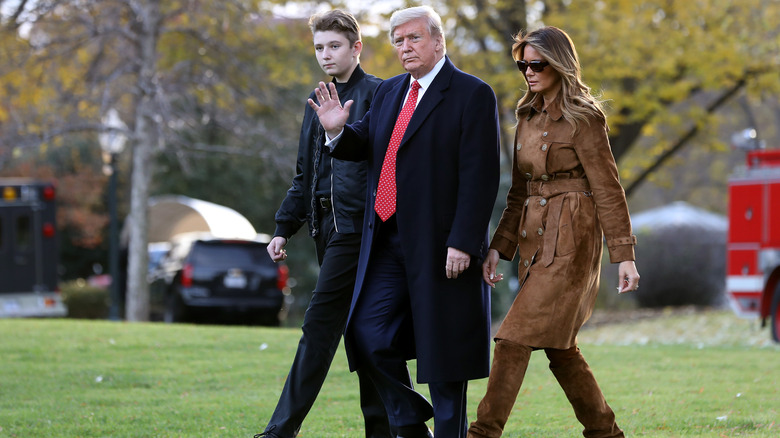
[(555, 46)]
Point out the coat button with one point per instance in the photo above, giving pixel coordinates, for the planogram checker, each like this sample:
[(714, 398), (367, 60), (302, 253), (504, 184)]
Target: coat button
[(375, 193), (519, 146), (526, 263), (540, 231), (528, 176), (544, 134), (526, 202), (522, 233), (543, 202), (544, 147), (545, 177)]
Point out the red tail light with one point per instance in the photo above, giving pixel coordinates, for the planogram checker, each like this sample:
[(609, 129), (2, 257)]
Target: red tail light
[(48, 230), (284, 275), (186, 275), (48, 193)]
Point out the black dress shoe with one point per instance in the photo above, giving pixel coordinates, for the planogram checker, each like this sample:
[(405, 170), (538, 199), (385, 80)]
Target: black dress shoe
[(268, 433), (414, 432)]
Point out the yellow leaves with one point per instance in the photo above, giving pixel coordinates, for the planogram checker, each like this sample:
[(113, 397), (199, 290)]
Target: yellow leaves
[(768, 82), (676, 90), (88, 110), (655, 59), (83, 105), (68, 78), (649, 130)]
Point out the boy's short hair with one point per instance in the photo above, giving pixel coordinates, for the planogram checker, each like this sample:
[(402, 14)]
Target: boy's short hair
[(337, 21)]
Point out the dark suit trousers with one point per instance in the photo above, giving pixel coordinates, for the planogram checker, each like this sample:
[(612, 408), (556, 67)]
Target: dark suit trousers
[(323, 326), (383, 333)]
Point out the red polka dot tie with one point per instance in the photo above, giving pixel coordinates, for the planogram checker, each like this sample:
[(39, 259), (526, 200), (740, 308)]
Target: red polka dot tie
[(386, 191)]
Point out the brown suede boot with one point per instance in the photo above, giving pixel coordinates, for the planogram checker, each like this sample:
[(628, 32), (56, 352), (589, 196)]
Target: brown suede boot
[(510, 362), (576, 379)]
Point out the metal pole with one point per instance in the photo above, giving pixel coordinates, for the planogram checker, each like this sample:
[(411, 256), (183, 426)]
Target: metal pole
[(113, 249)]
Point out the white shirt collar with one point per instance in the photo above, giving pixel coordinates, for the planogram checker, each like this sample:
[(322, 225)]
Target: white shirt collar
[(426, 80)]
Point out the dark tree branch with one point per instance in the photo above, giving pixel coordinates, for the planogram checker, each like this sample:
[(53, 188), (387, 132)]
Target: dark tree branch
[(19, 10), (682, 141)]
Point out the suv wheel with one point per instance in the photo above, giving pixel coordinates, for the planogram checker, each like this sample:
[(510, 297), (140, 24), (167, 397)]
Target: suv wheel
[(174, 309)]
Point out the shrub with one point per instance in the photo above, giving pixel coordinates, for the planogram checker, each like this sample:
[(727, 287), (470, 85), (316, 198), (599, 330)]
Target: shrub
[(84, 300), (684, 265)]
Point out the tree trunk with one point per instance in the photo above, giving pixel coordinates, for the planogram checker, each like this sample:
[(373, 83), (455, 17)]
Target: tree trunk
[(147, 138)]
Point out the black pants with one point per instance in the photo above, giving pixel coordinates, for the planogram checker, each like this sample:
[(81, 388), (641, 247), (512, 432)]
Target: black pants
[(323, 326)]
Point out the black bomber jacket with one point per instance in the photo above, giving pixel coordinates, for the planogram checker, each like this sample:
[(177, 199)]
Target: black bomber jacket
[(347, 178)]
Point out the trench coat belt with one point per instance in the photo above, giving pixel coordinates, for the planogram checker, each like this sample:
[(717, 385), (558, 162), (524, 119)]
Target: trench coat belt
[(550, 190)]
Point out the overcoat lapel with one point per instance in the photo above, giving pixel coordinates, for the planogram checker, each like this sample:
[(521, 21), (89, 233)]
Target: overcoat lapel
[(430, 100)]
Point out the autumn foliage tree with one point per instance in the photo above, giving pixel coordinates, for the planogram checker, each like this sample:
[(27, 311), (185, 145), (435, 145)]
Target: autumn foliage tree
[(187, 77)]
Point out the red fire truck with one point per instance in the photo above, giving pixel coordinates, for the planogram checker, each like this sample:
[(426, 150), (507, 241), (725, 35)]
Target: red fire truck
[(753, 260), (28, 249)]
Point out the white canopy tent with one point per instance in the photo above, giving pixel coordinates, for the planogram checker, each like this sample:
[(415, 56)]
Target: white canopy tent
[(172, 215)]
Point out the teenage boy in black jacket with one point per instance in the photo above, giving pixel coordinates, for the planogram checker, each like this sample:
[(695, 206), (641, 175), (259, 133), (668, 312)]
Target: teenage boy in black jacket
[(329, 195)]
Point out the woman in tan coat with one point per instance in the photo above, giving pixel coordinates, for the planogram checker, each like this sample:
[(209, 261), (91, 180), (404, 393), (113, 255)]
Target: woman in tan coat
[(565, 192)]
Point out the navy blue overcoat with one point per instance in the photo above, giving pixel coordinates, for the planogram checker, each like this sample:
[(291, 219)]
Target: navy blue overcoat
[(447, 179)]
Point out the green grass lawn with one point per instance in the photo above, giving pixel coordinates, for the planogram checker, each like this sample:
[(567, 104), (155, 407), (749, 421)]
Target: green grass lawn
[(72, 378)]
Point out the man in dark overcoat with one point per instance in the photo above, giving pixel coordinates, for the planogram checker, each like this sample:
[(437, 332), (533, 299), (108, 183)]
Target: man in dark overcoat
[(419, 294)]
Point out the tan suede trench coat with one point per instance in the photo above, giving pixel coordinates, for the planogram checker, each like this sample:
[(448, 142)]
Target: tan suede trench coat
[(565, 191)]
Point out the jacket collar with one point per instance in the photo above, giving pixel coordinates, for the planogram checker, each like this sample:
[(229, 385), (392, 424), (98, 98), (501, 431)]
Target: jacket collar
[(356, 76), (553, 109)]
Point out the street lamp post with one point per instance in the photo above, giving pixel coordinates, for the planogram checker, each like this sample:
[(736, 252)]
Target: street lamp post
[(112, 143)]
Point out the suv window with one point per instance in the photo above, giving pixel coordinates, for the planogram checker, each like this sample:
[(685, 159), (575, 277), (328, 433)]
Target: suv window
[(222, 255)]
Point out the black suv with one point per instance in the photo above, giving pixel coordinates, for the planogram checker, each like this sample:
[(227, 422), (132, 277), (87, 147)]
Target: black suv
[(203, 279)]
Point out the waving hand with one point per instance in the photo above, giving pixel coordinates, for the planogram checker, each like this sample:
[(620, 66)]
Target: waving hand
[(332, 115)]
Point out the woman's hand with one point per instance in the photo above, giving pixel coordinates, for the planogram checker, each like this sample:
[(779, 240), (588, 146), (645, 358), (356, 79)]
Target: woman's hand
[(489, 269), (628, 277)]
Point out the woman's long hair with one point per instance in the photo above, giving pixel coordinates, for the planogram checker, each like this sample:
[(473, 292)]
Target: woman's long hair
[(555, 46)]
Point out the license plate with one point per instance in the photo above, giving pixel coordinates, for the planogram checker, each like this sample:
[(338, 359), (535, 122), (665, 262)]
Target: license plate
[(11, 306), (235, 279)]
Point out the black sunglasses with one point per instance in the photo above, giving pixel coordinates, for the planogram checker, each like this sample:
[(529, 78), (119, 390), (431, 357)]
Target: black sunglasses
[(536, 66)]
